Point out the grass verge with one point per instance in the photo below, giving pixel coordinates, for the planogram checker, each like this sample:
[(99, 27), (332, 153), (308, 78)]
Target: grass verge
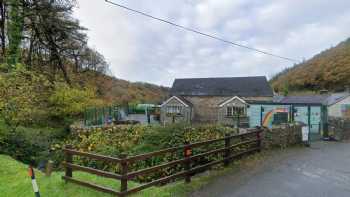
[(15, 181)]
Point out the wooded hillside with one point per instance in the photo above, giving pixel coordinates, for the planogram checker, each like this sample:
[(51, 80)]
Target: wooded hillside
[(43, 37), (118, 91), (48, 72), (329, 70)]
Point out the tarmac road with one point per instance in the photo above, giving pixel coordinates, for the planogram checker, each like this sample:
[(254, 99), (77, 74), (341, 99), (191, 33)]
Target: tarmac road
[(320, 171)]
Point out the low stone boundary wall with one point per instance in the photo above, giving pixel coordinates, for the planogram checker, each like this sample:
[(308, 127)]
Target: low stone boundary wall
[(339, 128), (282, 136)]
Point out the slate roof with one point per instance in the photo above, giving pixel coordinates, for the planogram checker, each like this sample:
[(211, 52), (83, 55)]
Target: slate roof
[(277, 98), (182, 99), (230, 86), (336, 97), (185, 101), (314, 99)]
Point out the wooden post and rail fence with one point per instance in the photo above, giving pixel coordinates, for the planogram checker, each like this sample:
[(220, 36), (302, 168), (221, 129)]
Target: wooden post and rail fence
[(251, 139)]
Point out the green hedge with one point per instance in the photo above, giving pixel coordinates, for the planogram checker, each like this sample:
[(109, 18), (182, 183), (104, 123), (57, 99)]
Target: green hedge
[(138, 139)]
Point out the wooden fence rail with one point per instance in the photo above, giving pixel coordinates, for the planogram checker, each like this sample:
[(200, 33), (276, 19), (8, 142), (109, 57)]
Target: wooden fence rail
[(251, 138)]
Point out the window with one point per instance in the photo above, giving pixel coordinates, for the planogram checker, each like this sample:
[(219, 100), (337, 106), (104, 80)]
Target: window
[(235, 111), (229, 111), (173, 109), (280, 118)]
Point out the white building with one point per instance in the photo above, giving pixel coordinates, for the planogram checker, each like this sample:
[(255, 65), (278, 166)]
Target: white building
[(339, 105)]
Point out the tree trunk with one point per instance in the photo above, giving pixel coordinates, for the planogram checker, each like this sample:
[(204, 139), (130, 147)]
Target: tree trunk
[(2, 29), (57, 59), (15, 30), (30, 52)]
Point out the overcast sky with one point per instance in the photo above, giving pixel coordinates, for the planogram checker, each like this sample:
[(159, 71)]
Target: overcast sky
[(141, 49)]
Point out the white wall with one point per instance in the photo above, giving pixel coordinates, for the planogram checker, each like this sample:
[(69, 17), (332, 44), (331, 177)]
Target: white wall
[(335, 109)]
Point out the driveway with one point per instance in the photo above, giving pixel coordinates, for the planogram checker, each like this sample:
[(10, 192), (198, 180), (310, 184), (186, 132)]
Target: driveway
[(319, 171)]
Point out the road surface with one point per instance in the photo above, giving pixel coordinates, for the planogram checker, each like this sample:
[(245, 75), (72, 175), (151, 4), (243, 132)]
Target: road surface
[(320, 171)]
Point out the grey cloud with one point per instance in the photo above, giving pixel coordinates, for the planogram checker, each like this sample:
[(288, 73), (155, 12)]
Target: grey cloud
[(141, 49)]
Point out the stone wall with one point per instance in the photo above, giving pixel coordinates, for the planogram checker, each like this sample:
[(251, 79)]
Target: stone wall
[(282, 136), (206, 108), (339, 128)]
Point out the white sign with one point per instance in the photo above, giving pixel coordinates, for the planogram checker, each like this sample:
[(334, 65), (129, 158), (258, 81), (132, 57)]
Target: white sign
[(305, 134)]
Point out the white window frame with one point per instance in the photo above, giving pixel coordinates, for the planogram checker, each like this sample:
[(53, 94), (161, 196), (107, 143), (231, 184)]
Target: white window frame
[(231, 111), (174, 109)]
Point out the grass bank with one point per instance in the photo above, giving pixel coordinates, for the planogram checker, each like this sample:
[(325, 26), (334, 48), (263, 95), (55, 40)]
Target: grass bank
[(16, 183)]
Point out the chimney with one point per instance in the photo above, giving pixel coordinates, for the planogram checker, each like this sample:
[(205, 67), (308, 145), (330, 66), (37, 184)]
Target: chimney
[(323, 92)]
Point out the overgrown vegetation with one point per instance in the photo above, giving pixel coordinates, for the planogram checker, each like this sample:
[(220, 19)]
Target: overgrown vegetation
[(34, 113), (137, 139), (140, 139), (328, 70), (44, 37), (22, 95), (49, 75), (31, 145)]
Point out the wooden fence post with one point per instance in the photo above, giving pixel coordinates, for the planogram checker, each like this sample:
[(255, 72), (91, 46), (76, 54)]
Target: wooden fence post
[(187, 164), (124, 172), (258, 136), (227, 151), (69, 159), (48, 169)]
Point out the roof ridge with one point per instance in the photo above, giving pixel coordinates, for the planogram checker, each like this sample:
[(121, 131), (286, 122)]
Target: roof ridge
[(256, 76), (250, 86)]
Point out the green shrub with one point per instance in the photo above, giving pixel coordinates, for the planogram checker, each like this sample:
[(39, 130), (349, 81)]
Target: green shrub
[(22, 95), (138, 139), (67, 102), (3, 132), (32, 145)]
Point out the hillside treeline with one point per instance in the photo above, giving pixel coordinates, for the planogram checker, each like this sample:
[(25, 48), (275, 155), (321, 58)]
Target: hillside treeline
[(43, 36), (48, 73), (329, 70)]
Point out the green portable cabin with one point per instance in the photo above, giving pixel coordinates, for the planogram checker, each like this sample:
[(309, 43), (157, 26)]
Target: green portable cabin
[(141, 108), (306, 110)]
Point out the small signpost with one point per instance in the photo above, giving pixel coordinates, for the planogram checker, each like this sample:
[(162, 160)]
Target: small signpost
[(305, 135), (34, 184), (187, 164)]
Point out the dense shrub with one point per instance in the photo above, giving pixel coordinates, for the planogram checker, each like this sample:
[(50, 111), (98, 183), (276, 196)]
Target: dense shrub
[(31, 145), (137, 139), (30, 105), (68, 102), (109, 140), (22, 95)]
